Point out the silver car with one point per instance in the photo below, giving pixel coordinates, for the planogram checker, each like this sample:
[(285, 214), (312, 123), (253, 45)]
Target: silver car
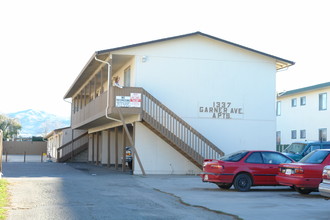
[(324, 186)]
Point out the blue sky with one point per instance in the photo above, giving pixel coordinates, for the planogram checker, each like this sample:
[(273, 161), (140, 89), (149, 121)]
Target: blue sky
[(45, 44)]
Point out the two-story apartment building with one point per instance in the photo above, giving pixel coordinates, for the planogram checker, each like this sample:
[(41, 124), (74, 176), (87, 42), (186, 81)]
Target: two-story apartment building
[(303, 114), (176, 101)]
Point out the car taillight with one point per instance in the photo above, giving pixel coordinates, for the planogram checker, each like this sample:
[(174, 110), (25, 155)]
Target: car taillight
[(298, 171), (216, 166)]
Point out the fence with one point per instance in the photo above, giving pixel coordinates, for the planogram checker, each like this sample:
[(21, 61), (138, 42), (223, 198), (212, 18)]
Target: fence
[(24, 147), (24, 151)]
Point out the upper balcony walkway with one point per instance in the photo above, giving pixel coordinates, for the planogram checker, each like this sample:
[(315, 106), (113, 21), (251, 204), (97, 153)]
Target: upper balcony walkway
[(132, 101)]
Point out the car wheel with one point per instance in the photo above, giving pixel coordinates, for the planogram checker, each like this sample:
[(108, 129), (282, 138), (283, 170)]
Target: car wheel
[(303, 190), (243, 182), (225, 185)]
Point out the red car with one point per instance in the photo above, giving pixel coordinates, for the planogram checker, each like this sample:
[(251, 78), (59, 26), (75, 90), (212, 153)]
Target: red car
[(244, 169), (305, 175)]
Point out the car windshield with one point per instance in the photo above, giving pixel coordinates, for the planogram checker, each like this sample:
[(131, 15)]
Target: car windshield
[(234, 157), (316, 157), (295, 148)]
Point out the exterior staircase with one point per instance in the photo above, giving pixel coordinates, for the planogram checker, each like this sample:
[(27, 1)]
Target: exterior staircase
[(73, 148), (176, 132), (154, 115)]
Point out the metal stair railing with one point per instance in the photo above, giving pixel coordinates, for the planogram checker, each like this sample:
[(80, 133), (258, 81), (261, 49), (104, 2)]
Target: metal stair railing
[(177, 131)]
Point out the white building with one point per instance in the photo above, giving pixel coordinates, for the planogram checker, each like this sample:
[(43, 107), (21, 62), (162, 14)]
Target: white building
[(303, 114), (185, 98)]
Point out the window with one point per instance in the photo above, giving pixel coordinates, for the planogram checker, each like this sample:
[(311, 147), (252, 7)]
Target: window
[(294, 102), (274, 158), (294, 134), (254, 158), (311, 148), (278, 137), (316, 157), (303, 100), (127, 77), (278, 108), (302, 134), (323, 101), (234, 157), (323, 134)]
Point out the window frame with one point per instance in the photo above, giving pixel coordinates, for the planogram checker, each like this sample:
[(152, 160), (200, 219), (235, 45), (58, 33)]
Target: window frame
[(294, 102), (323, 101), (303, 134), (323, 134), (302, 100), (278, 108)]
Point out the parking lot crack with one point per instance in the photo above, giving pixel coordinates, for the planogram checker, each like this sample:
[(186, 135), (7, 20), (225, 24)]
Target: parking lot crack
[(235, 217)]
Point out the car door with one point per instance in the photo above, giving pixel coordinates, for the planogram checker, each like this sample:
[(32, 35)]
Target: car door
[(271, 161), (257, 168)]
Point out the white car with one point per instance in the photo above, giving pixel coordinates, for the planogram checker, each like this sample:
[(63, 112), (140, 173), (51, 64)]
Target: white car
[(324, 186)]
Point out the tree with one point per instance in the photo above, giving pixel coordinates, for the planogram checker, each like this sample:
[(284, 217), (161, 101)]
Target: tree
[(10, 126)]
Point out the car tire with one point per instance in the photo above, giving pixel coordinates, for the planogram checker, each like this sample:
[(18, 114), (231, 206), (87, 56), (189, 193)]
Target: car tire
[(243, 182), (225, 185), (303, 190)]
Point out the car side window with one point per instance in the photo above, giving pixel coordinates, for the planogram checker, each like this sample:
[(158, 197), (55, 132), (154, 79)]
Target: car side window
[(274, 158), (254, 158), (311, 148)]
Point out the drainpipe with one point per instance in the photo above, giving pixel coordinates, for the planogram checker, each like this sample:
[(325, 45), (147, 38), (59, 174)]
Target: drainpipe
[(109, 83)]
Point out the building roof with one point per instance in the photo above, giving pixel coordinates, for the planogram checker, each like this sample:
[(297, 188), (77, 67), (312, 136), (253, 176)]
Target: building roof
[(305, 89), (280, 62), (104, 54), (55, 132)]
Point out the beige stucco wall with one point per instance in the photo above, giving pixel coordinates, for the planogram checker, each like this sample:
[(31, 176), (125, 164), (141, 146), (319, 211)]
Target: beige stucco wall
[(21, 147)]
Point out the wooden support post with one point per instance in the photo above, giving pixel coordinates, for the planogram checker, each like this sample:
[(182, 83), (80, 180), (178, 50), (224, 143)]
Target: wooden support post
[(93, 142), (42, 157), (131, 141), (24, 156), (109, 133), (97, 147), (116, 148), (123, 168)]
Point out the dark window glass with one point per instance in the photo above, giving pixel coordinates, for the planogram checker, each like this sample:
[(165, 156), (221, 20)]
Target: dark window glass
[(254, 158), (311, 148), (316, 157), (234, 157), (274, 158), (303, 100), (302, 134)]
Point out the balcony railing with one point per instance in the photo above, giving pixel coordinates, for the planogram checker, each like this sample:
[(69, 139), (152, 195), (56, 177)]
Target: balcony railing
[(155, 115)]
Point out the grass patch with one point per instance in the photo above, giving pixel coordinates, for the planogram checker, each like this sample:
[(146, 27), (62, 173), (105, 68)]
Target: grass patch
[(3, 198)]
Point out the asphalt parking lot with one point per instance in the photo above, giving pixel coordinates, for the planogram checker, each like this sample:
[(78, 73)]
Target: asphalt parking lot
[(277, 202), (259, 203)]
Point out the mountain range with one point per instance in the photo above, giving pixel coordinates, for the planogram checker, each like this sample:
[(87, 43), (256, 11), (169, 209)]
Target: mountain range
[(38, 123)]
